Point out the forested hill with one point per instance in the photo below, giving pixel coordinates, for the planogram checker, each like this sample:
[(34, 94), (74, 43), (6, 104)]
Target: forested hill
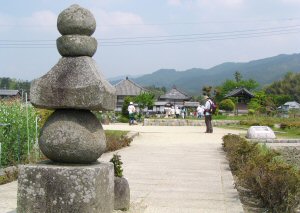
[(264, 71)]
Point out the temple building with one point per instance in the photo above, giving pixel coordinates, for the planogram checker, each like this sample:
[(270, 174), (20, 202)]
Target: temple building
[(126, 88), (243, 97)]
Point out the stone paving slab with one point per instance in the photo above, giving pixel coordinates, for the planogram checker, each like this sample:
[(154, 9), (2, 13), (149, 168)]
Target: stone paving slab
[(169, 170), (178, 169)]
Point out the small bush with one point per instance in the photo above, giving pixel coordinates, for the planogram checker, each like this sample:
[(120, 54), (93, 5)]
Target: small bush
[(8, 176), (116, 140), (116, 160), (251, 112), (264, 172), (123, 119), (227, 105)]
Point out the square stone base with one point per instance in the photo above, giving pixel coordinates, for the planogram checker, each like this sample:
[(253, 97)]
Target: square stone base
[(62, 188)]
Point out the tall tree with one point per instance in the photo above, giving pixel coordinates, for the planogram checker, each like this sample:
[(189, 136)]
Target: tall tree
[(237, 76), (206, 90), (288, 86), (144, 100)]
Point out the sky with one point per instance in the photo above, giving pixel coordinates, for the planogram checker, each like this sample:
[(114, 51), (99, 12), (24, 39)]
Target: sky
[(138, 37)]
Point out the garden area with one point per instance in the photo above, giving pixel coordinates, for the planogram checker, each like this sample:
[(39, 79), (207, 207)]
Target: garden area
[(20, 125), (268, 180)]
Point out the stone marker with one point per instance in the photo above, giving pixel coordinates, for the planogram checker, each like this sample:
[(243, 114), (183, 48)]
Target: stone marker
[(72, 137), (260, 132), (122, 194)]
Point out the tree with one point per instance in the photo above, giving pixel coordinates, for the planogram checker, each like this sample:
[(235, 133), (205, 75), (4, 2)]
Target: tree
[(237, 76), (157, 91), (230, 85), (206, 90), (289, 85), (144, 100)]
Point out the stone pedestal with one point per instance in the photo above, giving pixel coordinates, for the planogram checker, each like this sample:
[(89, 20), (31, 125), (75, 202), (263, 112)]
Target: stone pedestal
[(49, 187)]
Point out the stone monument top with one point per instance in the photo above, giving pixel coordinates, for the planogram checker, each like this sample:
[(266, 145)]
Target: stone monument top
[(75, 81)]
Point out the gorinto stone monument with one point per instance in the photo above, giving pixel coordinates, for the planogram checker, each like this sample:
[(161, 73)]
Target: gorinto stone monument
[(72, 137)]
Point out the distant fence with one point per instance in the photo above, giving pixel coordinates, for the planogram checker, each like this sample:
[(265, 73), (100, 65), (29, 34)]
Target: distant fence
[(186, 122)]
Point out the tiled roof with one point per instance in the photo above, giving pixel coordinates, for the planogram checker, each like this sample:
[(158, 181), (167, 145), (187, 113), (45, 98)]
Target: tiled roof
[(175, 94), (239, 92), (129, 88), (8, 92)]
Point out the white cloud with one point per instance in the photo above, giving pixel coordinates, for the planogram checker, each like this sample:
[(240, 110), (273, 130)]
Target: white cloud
[(5, 22), (221, 3), (174, 2), (209, 3), (291, 1), (44, 20), (125, 23)]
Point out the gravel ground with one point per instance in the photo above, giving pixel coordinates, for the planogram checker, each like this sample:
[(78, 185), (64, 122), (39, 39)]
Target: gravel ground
[(291, 154)]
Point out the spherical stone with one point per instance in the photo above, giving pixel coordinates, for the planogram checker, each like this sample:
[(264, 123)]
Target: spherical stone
[(76, 45), (72, 136), (76, 20)]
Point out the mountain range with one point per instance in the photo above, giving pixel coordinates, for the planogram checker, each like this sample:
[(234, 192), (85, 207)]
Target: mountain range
[(264, 71)]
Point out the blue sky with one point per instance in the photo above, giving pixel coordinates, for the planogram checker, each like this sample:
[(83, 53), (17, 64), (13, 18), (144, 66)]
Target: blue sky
[(139, 37)]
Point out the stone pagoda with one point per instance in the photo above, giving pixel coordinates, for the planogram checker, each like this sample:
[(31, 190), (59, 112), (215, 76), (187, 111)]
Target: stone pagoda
[(72, 137)]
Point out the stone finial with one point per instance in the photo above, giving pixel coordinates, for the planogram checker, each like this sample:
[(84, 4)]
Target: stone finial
[(76, 20)]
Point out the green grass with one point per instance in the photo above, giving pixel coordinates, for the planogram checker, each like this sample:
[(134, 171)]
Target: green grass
[(288, 133)]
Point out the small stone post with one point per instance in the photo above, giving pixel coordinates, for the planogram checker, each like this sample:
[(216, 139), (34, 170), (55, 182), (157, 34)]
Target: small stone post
[(72, 138)]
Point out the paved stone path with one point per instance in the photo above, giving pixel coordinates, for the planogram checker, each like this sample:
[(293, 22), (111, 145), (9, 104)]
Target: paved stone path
[(178, 170), (170, 170)]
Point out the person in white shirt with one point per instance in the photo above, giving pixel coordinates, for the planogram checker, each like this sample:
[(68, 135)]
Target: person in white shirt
[(177, 111), (172, 112), (131, 111), (207, 115), (200, 111)]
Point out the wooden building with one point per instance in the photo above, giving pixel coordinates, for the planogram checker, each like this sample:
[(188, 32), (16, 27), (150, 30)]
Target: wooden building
[(243, 97), (9, 94), (125, 88), (173, 97)]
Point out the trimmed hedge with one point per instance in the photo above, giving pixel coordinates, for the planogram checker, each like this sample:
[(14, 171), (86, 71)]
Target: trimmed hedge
[(264, 172)]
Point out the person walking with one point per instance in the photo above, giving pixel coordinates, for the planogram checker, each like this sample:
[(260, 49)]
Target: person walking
[(208, 114), (177, 111), (131, 111)]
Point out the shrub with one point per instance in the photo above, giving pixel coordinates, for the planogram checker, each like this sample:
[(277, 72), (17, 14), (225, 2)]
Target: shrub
[(123, 119), (116, 160), (264, 172), (116, 140), (251, 112), (227, 105)]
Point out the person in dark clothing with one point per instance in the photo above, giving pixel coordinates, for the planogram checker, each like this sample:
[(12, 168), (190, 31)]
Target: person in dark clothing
[(208, 115)]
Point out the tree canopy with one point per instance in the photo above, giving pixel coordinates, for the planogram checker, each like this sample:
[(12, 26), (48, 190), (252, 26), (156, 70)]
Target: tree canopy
[(289, 86)]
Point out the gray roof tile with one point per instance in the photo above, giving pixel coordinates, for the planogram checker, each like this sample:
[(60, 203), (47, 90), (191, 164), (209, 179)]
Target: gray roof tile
[(8, 92), (129, 88), (175, 94)]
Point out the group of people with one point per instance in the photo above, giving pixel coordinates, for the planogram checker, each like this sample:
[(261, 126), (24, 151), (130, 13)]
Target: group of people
[(177, 111)]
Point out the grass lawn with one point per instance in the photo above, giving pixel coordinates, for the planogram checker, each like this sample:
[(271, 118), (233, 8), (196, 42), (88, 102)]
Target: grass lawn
[(289, 133)]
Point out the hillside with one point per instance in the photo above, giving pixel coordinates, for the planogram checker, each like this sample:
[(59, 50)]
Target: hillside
[(264, 71)]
